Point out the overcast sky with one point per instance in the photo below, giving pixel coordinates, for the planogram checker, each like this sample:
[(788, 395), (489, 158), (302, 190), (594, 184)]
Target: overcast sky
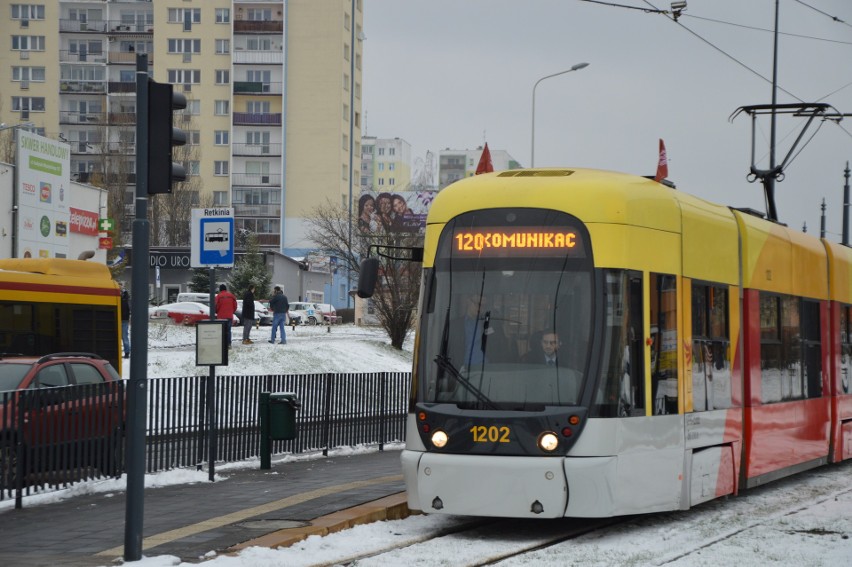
[(453, 74)]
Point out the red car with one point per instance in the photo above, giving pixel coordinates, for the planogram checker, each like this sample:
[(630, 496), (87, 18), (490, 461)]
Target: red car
[(61, 411), (183, 313)]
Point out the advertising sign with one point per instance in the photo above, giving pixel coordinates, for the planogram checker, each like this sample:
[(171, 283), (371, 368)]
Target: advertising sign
[(84, 222), (401, 212), (43, 212)]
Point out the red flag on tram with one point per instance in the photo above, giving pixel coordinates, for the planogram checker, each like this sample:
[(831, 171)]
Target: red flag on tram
[(485, 165), (662, 164)]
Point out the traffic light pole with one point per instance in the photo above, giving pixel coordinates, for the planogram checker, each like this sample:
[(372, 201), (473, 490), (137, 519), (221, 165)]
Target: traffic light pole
[(137, 387)]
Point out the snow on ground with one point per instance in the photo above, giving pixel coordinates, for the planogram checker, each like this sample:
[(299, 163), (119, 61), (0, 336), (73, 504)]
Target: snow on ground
[(309, 349)]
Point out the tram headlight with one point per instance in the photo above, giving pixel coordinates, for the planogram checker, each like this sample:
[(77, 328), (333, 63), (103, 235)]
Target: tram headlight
[(548, 441), (439, 439)]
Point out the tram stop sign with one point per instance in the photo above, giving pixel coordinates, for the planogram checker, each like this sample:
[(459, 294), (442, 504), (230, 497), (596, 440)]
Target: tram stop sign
[(212, 237)]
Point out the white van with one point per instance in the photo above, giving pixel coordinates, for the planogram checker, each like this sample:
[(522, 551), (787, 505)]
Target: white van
[(196, 297)]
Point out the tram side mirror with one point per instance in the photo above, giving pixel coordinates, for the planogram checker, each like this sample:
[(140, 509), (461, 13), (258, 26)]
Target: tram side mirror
[(367, 278)]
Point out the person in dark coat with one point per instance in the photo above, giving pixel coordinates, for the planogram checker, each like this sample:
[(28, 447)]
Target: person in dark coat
[(280, 306), (125, 321), (248, 314)]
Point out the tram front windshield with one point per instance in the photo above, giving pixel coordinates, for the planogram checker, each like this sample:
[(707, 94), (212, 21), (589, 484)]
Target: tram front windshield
[(507, 316)]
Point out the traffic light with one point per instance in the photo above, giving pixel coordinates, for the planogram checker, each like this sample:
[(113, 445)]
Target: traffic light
[(163, 136)]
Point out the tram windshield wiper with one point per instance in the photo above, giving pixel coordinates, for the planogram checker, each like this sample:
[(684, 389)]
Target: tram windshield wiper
[(445, 365)]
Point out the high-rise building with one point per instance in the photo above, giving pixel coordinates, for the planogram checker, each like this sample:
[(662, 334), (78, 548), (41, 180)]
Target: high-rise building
[(458, 164), (273, 90)]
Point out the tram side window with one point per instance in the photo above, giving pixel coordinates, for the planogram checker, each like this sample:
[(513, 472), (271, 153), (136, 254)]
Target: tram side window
[(790, 347), (664, 347), (621, 387), (711, 368), (845, 349)]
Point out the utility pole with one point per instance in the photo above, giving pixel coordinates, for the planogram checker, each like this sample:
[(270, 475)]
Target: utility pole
[(846, 206)]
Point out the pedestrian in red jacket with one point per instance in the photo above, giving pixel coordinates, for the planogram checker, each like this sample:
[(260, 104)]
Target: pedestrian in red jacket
[(226, 305)]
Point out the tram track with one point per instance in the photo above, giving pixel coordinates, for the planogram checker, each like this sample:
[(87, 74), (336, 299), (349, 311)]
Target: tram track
[(506, 538)]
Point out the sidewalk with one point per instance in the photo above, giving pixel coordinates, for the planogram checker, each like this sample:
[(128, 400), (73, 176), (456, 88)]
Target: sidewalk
[(269, 508)]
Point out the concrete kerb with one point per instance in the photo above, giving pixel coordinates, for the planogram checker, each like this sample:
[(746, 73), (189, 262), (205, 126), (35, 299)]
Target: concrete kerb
[(393, 507)]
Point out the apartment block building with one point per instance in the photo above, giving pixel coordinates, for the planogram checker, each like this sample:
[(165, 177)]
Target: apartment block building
[(458, 164), (273, 92), (385, 164)]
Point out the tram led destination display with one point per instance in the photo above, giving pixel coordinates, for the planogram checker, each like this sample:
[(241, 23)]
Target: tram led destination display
[(507, 241)]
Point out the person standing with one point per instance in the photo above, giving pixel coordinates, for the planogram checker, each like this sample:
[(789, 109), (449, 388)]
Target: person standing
[(226, 305), (125, 321), (280, 306), (248, 314)]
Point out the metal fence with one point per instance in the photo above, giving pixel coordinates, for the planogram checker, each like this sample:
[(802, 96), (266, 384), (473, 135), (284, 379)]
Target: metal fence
[(77, 443)]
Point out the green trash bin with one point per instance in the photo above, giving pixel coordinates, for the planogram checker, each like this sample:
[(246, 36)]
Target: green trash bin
[(282, 415)]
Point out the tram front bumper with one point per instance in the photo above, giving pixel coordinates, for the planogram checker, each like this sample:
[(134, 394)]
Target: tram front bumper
[(481, 485)]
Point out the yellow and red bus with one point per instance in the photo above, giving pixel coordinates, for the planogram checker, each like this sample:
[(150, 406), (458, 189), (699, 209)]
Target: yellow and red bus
[(596, 344), (59, 305)]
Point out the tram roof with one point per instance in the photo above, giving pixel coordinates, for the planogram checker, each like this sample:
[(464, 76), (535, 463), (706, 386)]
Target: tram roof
[(591, 195)]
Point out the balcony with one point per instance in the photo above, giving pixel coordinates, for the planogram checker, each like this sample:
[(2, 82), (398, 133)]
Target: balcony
[(76, 26), (256, 149), (243, 210), (256, 179), (253, 87), (251, 26), (116, 87), (127, 57), (122, 118), (77, 57), (120, 27), (242, 56), (76, 117), (66, 87), (254, 119)]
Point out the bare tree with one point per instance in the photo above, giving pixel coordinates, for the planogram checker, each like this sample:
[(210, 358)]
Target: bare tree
[(395, 300)]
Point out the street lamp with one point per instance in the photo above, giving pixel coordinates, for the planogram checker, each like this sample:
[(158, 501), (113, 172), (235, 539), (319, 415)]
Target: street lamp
[(4, 126), (576, 67)]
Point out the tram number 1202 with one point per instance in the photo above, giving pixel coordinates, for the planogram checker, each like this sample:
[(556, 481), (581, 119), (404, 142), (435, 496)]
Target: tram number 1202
[(490, 434)]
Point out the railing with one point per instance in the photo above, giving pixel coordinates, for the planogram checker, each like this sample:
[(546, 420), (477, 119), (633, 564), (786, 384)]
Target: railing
[(257, 87), (122, 87), (257, 149), (251, 26), (53, 437), (128, 57), (241, 55), (66, 56), (70, 86), (256, 179), (76, 117), (254, 119), (242, 210)]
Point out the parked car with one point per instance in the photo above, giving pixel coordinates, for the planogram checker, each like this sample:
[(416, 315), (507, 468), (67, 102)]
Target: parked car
[(183, 313), (307, 312), (329, 313), (53, 405), (261, 313)]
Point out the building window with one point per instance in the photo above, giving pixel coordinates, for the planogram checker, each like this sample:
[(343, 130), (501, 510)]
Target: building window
[(220, 198), (346, 82), (259, 15), (27, 11), (380, 166), (381, 151), (222, 137), (223, 46), (223, 76), (347, 19), (357, 119), (193, 108), (27, 43), (223, 15), (181, 45), (391, 166), (391, 151), (193, 167), (381, 180), (27, 103), (345, 143), (193, 137), (346, 113), (358, 91), (184, 16), (222, 107), (184, 76), (34, 74), (220, 168), (345, 171), (346, 51)]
